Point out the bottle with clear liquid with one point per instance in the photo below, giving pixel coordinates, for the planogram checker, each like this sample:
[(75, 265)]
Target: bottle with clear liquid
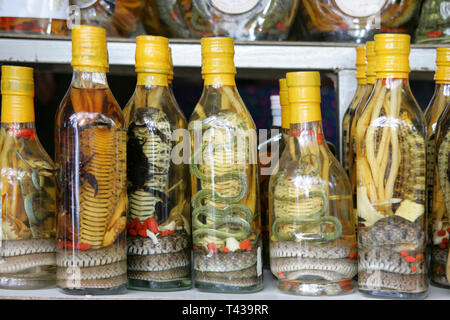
[(226, 222), (27, 190), (269, 151), (312, 235), (436, 107), (371, 78), (347, 155), (158, 228), (90, 140), (440, 218), (390, 164)]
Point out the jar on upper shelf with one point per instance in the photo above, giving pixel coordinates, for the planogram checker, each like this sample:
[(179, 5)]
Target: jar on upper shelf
[(355, 20), (434, 23), (43, 17), (118, 17), (238, 19)]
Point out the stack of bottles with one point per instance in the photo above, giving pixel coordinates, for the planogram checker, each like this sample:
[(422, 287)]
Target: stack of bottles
[(134, 195)]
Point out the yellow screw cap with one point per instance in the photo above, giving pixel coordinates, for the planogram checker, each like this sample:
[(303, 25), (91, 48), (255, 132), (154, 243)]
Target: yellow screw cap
[(218, 55), (152, 54), (442, 74), (370, 56), (304, 96), (361, 64), (17, 88), (392, 55), (89, 52), (284, 101)]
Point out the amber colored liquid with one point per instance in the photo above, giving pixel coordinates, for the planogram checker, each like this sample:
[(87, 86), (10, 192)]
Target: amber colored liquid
[(91, 159), (33, 25)]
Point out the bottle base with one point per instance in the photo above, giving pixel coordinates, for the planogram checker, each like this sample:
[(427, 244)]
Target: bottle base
[(393, 294), (26, 283), (316, 288), (439, 285), (223, 288), (95, 291), (161, 286)]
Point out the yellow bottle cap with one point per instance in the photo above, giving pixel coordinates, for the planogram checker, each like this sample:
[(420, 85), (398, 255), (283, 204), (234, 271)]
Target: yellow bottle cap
[(284, 101), (370, 56), (218, 59), (17, 88), (152, 54), (89, 52), (442, 74), (361, 64), (170, 66), (392, 55), (304, 96)]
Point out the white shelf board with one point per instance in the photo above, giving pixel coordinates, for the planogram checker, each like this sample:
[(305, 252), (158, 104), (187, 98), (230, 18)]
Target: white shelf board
[(270, 292), (254, 55)]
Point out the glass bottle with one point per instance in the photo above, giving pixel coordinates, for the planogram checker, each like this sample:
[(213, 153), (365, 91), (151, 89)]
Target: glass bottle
[(284, 101), (390, 164), (90, 140), (433, 23), (27, 189), (440, 254), (158, 228), (440, 99), (269, 151), (347, 156), (312, 234), (226, 220), (371, 78)]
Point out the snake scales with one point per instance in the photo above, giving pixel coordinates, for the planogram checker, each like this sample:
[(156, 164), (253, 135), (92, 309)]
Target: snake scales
[(218, 217), (391, 164), (98, 257), (149, 149)]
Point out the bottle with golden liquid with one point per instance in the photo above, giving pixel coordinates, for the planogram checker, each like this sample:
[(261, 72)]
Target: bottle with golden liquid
[(90, 140), (440, 218), (27, 189), (390, 164), (312, 234), (436, 107), (226, 223), (158, 228), (284, 101), (347, 155), (371, 78)]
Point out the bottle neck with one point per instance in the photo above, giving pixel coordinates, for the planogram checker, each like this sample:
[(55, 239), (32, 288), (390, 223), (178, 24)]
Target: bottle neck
[(307, 133), (152, 79), (393, 82), (89, 80), (219, 79)]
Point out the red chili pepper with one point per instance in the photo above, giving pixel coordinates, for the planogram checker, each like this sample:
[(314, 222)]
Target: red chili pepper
[(442, 245), (296, 132), (244, 244), (174, 15), (280, 26), (84, 246), (281, 275), (438, 268), (434, 34), (414, 269), (152, 225), (286, 283), (319, 138), (353, 255), (445, 240), (420, 256), (410, 259), (142, 232), (342, 283), (441, 233), (170, 232), (249, 247), (226, 250), (132, 232), (163, 233), (404, 253), (212, 247), (448, 230), (28, 134), (342, 26), (194, 247)]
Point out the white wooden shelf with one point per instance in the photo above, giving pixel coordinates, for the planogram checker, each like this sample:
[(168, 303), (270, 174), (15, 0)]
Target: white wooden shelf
[(270, 292)]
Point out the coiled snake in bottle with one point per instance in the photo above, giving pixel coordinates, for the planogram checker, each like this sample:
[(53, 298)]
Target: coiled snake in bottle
[(296, 217)]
